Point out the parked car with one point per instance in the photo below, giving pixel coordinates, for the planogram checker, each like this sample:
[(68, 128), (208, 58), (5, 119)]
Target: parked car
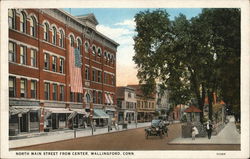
[(157, 128)]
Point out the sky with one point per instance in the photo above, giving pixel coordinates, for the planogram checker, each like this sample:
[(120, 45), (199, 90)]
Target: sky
[(118, 24)]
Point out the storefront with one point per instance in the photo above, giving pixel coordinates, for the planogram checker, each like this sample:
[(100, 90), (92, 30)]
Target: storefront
[(101, 117), (23, 119)]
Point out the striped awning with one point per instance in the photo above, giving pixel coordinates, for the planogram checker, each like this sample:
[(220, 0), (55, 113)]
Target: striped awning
[(21, 109), (100, 114)]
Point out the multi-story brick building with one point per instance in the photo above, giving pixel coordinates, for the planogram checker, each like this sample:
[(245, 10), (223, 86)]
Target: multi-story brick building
[(145, 106), (126, 104), (40, 89)]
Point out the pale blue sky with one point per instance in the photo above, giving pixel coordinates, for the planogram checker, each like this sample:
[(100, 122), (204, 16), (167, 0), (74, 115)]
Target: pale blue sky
[(118, 24)]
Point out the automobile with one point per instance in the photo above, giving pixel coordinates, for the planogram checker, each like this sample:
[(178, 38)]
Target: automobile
[(157, 128)]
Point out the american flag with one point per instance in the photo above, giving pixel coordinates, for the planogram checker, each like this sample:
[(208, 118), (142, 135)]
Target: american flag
[(75, 70)]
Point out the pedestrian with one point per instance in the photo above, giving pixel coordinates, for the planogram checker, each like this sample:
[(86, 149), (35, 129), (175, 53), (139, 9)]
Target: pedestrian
[(209, 128), (194, 132)]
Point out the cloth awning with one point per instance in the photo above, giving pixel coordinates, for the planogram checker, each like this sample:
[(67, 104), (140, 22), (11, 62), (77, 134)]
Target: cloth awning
[(21, 109), (81, 111), (110, 99), (192, 109), (72, 115), (99, 113), (107, 99), (58, 110)]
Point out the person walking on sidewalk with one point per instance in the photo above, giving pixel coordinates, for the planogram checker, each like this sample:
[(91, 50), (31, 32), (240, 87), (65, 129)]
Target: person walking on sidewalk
[(209, 128)]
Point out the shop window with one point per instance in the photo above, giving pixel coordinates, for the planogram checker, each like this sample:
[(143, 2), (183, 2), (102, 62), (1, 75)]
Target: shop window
[(12, 18), (61, 67), (54, 92), (33, 57), (23, 22), (61, 93), (12, 86), (12, 52), (34, 117), (33, 26), (46, 91), (33, 89), (23, 88), (23, 54), (46, 61), (54, 63)]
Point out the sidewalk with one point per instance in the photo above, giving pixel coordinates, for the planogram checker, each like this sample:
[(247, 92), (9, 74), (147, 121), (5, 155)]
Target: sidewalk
[(228, 135), (41, 138)]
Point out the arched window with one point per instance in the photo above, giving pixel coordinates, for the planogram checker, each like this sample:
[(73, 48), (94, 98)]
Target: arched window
[(88, 98), (105, 54), (79, 44), (71, 38), (12, 18), (46, 31), (33, 26), (61, 39), (23, 22), (93, 49), (86, 46), (99, 51), (54, 33)]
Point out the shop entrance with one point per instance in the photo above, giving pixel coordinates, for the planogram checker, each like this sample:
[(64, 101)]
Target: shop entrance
[(23, 122)]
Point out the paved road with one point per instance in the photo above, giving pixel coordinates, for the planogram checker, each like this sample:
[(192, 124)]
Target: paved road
[(132, 139)]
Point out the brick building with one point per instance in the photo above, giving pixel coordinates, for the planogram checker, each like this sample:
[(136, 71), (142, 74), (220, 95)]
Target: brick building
[(41, 95), (145, 106)]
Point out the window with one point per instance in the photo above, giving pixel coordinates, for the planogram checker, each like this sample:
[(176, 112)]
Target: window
[(99, 51), (79, 44), (99, 76), (12, 86), (46, 91), (71, 41), (105, 54), (33, 57), (33, 26), (54, 62), (61, 93), (100, 97), (33, 89), (93, 75), (112, 80), (87, 73), (54, 92), (23, 22), (46, 31), (54, 34), (72, 97), (79, 97), (12, 52), (23, 88), (105, 77), (23, 55), (61, 39), (108, 56), (61, 67), (129, 95), (12, 18), (93, 49), (94, 96), (46, 61), (86, 46)]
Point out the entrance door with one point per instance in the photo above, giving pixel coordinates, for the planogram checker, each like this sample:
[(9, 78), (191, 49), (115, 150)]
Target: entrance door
[(23, 123), (54, 124)]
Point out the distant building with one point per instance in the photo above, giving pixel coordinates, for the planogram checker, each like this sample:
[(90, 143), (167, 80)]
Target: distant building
[(146, 107), (126, 104), (162, 100), (58, 65)]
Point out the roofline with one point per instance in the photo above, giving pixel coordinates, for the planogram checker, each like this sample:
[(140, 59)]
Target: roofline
[(74, 17)]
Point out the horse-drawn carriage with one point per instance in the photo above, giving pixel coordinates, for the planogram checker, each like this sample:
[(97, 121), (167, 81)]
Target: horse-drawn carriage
[(157, 128)]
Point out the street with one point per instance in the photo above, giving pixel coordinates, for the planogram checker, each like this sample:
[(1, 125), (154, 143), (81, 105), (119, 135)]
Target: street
[(133, 139)]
